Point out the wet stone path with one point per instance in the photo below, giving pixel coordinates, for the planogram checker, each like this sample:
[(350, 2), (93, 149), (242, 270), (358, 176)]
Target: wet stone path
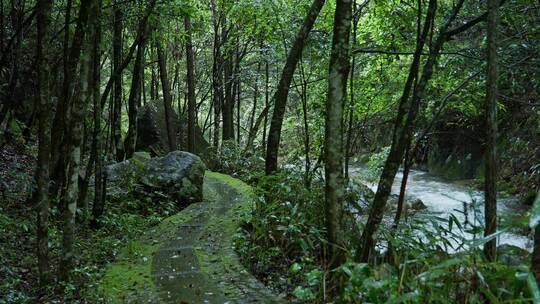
[(198, 264)]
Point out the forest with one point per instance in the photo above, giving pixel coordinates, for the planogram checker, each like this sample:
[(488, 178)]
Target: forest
[(269, 151)]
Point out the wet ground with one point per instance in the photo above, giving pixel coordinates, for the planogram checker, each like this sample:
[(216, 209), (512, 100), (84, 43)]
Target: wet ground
[(192, 257)]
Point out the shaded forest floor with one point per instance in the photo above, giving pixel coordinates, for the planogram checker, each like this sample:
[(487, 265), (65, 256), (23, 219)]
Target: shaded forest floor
[(95, 248)]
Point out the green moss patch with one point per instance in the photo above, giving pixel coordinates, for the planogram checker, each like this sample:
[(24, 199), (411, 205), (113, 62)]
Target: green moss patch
[(129, 279)]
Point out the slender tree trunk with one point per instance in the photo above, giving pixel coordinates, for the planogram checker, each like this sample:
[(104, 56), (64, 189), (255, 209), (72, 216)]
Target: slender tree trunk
[(255, 99), (167, 99), (190, 78), (238, 83), (153, 80), (41, 195), (228, 74), (99, 203), (403, 187), (490, 204), (133, 101), (217, 78), (61, 117), (78, 107), (304, 98), (333, 144), (352, 103), (266, 101), (407, 111), (117, 99), (282, 92)]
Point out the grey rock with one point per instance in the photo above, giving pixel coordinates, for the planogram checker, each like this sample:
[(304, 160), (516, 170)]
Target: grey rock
[(512, 255), (179, 175), (417, 205)]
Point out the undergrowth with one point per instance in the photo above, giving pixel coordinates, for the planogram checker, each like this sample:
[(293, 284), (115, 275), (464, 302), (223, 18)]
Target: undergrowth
[(423, 261), (125, 219)]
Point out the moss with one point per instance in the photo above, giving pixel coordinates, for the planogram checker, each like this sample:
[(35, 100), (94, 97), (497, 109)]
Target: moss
[(239, 185), (129, 277)]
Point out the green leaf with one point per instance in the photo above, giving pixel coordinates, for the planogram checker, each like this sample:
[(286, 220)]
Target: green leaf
[(534, 216), (486, 239)]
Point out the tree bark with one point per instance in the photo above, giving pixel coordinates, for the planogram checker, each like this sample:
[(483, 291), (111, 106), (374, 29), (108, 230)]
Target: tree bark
[(282, 91), (266, 101), (41, 195), (348, 143), (217, 75), (99, 203), (399, 139), (333, 144), (133, 101), (75, 137), (228, 74), (190, 78), (167, 99), (117, 94), (490, 200)]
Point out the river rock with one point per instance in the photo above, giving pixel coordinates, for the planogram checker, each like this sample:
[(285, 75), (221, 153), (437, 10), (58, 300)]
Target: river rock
[(177, 175), (511, 255), (152, 131), (417, 205)]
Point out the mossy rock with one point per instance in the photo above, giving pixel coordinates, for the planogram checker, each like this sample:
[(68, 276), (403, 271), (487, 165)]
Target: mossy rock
[(178, 175)]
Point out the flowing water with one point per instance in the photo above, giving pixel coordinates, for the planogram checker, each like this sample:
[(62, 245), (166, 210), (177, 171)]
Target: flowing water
[(444, 198)]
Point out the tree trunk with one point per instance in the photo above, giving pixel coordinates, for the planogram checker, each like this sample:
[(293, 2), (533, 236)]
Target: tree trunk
[(266, 101), (217, 75), (352, 104), (41, 195), (99, 203), (254, 108), (190, 78), (74, 140), (333, 143), (228, 74), (282, 91), (404, 124), (238, 83), (304, 98), (403, 187), (167, 99), (117, 99), (490, 204), (133, 101)]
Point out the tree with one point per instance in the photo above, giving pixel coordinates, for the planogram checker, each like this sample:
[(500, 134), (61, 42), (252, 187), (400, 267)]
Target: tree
[(282, 90), (490, 201), (95, 89), (134, 99), (333, 143), (190, 78), (399, 142), (116, 119), (167, 99), (217, 72), (41, 195), (78, 107)]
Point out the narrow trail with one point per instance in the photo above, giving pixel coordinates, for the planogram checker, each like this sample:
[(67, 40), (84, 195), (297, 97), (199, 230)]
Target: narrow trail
[(190, 258)]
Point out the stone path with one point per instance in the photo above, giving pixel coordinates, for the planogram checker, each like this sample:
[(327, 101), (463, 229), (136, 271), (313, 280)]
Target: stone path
[(192, 255)]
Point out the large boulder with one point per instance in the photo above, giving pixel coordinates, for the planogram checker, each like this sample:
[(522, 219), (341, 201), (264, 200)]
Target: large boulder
[(177, 175), (152, 131)]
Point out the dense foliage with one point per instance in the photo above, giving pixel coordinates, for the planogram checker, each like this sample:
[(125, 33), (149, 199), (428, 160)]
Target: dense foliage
[(344, 106)]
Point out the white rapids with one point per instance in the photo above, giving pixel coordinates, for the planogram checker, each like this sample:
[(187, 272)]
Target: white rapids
[(445, 198)]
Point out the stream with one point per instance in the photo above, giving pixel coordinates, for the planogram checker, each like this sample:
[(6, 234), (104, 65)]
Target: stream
[(444, 198)]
